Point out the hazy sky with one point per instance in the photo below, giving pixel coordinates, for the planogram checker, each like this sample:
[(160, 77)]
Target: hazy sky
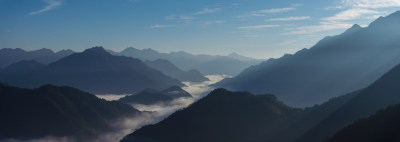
[(257, 28)]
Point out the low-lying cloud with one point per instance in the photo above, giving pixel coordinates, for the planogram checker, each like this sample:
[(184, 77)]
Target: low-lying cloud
[(111, 97), (150, 113)]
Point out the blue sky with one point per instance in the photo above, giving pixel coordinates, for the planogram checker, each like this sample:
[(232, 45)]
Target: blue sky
[(256, 28)]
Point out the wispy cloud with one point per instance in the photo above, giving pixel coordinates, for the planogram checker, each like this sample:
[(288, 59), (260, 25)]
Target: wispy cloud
[(276, 10), (255, 27), (361, 9), (351, 14), (191, 16), (157, 26), (323, 26), (207, 11), (348, 11), (213, 22), (290, 18), (287, 42), (264, 12), (371, 4), (51, 4)]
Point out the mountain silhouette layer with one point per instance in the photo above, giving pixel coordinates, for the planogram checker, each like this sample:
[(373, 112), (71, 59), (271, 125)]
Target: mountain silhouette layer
[(380, 94), (45, 56), (232, 64), (381, 127), (241, 116), (93, 70), (171, 70), (56, 111), (220, 116), (334, 66)]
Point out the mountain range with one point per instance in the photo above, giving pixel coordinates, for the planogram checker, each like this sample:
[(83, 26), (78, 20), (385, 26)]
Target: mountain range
[(57, 111), (380, 94), (149, 96), (335, 65), (381, 127), (93, 70), (241, 116), (206, 64), (171, 70), (45, 56)]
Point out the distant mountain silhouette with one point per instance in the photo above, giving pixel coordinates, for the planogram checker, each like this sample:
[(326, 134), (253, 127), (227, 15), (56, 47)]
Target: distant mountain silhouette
[(149, 96), (22, 70), (222, 116), (171, 70), (232, 64), (235, 55), (95, 71), (45, 56), (381, 127), (380, 94), (56, 111), (334, 66), (228, 65)]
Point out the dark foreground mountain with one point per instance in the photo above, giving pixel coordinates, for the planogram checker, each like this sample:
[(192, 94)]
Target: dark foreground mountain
[(381, 127), (149, 96), (310, 117), (232, 64), (93, 70), (380, 94), (334, 66), (171, 70), (56, 111), (45, 56), (220, 116)]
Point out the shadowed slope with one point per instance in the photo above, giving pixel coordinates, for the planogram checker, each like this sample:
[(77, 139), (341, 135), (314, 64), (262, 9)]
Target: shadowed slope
[(56, 111), (334, 66)]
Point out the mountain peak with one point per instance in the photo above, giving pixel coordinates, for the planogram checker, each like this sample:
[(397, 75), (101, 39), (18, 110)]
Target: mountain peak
[(45, 50), (355, 26), (96, 50), (173, 88), (353, 29), (389, 22), (130, 49), (234, 54)]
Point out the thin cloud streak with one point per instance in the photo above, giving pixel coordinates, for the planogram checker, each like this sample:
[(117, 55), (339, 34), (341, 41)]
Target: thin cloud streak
[(324, 26), (350, 10), (276, 10), (207, 11), (264, 12), (157, 26), (290, 18), (361, 9), (52, 4), (372, 4), (351, 14), (257, 27), (191, 15)]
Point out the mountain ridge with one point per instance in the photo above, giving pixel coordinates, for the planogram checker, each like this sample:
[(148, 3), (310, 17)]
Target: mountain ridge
[(57, 111), (96, 71), (335, 65), (9, 56), (187, 61)]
